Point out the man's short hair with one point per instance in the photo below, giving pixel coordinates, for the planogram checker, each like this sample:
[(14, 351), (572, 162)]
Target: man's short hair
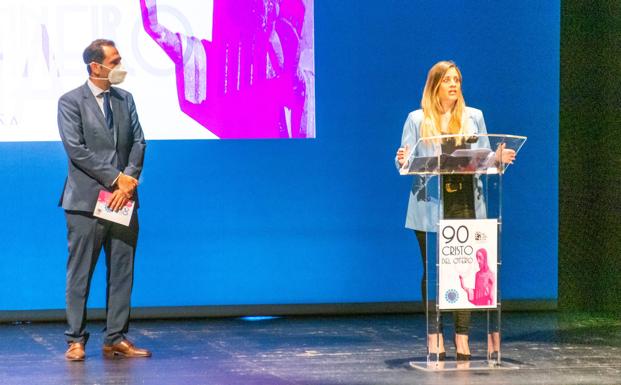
[(94, 52)]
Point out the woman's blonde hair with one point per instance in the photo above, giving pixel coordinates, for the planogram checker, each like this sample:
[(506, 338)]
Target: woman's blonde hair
[(432, 108)]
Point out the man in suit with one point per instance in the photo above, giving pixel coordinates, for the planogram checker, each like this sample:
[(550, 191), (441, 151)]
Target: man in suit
[(105, 147)]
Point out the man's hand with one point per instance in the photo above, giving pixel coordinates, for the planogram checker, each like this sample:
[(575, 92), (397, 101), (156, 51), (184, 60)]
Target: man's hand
[(127, 185), (118, 200)]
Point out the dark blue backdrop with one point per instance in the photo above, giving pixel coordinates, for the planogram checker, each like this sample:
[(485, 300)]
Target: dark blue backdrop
[(318, 221)]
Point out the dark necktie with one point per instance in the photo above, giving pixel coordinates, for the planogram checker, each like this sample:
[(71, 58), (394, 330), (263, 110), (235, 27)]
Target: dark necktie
[(108, 109)]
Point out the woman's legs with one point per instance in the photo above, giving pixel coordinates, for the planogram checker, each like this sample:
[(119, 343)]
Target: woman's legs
[(435, 340), (493, 342), (462, 326), (458, 197)]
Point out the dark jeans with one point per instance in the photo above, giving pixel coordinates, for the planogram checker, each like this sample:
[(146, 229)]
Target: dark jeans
[(462, 318), (458, 198)]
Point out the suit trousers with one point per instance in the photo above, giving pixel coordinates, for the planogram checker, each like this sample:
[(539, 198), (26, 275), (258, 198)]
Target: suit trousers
[(86, 236)]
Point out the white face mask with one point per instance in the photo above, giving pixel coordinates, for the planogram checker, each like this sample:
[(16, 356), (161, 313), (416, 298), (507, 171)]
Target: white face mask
[(116, 74)]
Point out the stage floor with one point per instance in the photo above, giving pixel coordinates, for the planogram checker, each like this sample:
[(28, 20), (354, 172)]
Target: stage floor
[(549, 348)]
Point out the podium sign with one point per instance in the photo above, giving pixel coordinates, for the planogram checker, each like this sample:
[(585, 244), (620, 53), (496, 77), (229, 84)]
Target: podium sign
[(467, 258)]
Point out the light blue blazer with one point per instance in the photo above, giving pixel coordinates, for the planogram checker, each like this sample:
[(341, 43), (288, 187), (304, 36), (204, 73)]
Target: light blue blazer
[(423, 208), (96, 153)]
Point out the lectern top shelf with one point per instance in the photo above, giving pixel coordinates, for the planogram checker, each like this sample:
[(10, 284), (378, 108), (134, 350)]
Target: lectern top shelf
[(460, 154)]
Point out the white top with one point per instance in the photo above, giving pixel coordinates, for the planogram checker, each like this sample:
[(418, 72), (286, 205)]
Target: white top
[(98, 94)]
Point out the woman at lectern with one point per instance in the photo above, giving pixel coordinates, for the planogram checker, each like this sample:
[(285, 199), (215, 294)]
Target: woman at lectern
[(444, 112)]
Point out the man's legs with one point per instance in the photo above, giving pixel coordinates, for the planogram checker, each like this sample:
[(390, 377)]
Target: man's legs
[(120, 248), (84, 234)]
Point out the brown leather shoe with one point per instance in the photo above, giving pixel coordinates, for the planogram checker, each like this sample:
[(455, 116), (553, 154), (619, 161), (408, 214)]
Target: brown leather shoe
[(75, 352), (124, 349)]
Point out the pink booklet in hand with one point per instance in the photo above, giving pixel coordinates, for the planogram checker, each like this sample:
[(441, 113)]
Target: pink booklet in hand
[(123, 216)]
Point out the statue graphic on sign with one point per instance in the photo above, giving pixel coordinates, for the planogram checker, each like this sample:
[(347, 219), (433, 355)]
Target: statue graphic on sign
[(482, 294)]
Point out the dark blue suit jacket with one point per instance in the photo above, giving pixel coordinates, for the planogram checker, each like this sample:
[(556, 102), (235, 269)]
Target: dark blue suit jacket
[(96, 153)]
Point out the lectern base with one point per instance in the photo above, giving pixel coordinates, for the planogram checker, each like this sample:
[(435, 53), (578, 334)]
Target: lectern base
[(450, 366)]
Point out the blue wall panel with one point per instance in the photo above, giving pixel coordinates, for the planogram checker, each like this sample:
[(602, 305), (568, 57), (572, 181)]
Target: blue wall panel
[(318, 221)]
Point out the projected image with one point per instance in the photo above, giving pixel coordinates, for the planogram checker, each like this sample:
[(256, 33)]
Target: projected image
[(255, 78), (212, 69)]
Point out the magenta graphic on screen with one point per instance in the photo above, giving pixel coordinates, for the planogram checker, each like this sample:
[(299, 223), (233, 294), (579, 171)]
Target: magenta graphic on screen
[(255, 77)]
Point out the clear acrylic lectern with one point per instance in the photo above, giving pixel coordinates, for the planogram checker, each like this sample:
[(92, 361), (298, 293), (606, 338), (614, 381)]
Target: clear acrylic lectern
[(460, 182)]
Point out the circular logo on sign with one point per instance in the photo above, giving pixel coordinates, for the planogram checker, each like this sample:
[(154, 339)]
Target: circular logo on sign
[(451, 295)]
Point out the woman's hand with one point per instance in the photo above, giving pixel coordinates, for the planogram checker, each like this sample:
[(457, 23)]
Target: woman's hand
[(402, 153), (505, 155)]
